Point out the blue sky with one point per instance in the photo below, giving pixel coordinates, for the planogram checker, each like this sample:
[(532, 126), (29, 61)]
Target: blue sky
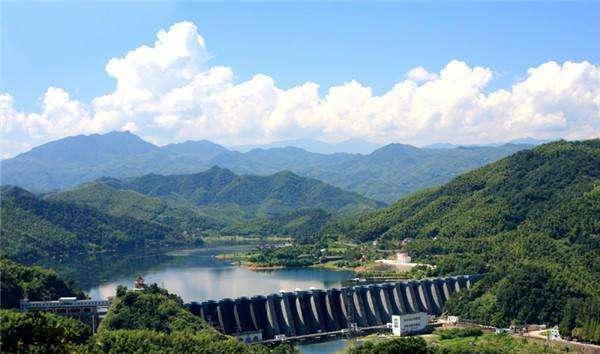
[(67, 45)]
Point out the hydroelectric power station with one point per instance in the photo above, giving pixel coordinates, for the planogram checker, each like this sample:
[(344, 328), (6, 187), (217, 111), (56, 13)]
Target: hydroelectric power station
[(300, 314)]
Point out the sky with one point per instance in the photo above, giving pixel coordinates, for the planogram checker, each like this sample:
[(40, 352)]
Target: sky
[(251, 73)]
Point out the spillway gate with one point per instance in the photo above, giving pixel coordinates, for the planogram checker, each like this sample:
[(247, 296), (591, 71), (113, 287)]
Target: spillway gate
[(302, 313)]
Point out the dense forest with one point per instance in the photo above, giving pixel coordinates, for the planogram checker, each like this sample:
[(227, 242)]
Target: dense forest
[(154, 210), (386, 174), (33, 228), (275, 194), (531, 222), (31, 282)]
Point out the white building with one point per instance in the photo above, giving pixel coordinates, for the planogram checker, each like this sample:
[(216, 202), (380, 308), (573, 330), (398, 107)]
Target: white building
[(453, 320), (403, 258), (553, 334), (409, 323)]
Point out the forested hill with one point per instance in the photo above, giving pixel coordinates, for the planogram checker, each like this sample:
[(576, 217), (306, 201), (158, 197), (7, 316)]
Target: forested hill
[(550, 189), (531, 221), (33, 228), (275, 194), (385, 174)]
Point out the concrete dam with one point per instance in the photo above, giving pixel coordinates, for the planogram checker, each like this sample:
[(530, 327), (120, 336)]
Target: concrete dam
[(301, 313)]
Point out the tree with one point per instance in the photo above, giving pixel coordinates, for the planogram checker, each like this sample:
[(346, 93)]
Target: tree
[(38, 332)]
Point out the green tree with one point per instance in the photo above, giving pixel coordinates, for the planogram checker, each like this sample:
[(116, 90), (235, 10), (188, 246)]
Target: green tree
[(37, 332), (18, 282)]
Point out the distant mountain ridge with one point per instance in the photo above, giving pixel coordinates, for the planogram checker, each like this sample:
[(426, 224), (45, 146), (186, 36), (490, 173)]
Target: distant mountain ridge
[(385, 174), (521, 141), (350, 146)]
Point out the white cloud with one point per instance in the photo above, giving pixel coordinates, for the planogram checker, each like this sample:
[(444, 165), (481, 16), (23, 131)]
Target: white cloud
[(167, 92), (419, 74)]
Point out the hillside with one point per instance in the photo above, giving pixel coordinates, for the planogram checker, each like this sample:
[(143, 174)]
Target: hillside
[(33, 228), (276, 194), (531, 221), (385, 174), (396, 170), (218, 201), (30, 282), (102, 196)]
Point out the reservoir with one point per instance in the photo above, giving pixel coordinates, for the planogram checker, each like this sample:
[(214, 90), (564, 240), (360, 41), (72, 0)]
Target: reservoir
[(195, 275)]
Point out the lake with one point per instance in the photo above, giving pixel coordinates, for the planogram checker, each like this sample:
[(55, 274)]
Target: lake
[(196, 275)]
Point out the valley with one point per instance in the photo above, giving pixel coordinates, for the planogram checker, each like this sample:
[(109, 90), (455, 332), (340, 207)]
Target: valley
[(299, 177), (526, 224)]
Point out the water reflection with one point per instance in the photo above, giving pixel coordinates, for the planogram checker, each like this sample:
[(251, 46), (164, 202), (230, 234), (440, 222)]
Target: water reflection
[(195, 275)]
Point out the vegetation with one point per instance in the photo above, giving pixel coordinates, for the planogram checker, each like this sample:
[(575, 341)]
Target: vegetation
[(34, 229), (386, 174), (39, 332), (397, 170), (153, 309), (152, 320), (172, 210), (149, 320), (458, 333), (304, 225), (276, 194), (183, 218), (530, 221), (581, 320), (33, 283), (495, 343), (406, 345), (456, 341)]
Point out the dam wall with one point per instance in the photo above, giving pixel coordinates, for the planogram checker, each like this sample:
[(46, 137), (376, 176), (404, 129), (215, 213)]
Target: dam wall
[(306, 312)]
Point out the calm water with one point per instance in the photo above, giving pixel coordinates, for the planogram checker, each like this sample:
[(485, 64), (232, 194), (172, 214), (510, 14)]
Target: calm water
[(196, 275), (335, 346)]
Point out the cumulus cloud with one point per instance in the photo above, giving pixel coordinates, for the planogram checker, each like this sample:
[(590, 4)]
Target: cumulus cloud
[(167, 92)]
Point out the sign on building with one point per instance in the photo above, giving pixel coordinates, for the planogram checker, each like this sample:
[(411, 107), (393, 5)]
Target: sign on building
[(409, 323)]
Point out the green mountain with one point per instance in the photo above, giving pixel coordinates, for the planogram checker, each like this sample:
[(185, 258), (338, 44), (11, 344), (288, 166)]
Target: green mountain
[(277, 194), (531, 221), (385, 174), (33, 228), (219, 201), (128, 203), (304, 225), (396, 170)]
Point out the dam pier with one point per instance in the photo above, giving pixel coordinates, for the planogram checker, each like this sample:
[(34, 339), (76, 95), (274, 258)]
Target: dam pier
[(297, 315)]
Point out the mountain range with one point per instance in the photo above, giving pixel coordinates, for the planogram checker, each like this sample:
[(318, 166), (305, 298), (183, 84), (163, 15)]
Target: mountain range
[(351, 146), (272, 195), (155, 210), (385, 174), (521, 141)]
